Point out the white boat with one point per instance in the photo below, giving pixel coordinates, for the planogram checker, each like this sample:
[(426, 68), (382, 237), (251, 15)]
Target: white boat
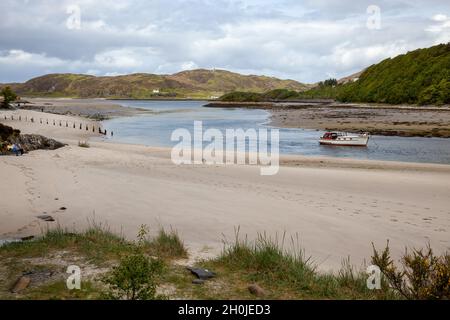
[(345, 139)]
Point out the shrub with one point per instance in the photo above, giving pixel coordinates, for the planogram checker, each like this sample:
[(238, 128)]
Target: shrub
[(136, 276), (83, 144), (423, 275), (8, 96)]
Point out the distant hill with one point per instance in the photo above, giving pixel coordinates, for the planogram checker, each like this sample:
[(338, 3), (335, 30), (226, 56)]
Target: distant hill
[(352, 78), (187, 84), (421, 76)]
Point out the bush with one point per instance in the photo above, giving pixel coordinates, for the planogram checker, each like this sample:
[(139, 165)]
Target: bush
[(423, 275), (8, 96), (136, 275), (83, 144)]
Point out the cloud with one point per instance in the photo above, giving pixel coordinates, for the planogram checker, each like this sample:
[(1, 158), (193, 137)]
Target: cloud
[(306, 41)]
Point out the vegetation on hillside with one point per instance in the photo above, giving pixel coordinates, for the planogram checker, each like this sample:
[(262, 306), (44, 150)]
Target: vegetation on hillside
[(188, 84), (418, 77), (326, 89)]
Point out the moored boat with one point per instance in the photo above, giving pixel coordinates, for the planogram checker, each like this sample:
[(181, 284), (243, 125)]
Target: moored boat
[(345, 139)]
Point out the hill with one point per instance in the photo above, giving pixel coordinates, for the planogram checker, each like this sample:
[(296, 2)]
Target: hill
[(421, 76), (418, 77), (187, 84)]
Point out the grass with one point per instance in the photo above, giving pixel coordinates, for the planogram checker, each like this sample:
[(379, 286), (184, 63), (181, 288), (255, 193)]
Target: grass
[(278, 265), (96, 244), (58, 291), (167, 245), (83, 144), (96, 247), (288, 274)]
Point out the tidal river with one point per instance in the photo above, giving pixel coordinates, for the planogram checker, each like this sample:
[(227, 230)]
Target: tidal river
[(156, 129)]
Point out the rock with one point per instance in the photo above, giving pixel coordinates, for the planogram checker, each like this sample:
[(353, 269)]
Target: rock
[(46, 218), (31, 142), (27, 238), (21, 284), (256, 290), (202, 274), (63, 209), (198, 281)]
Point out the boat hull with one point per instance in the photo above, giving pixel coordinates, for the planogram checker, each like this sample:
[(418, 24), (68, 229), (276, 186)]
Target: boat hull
[(354, 142)]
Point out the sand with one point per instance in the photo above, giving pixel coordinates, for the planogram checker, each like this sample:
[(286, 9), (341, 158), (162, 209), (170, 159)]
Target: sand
[(88, 108), (336, 207), (406, 122)]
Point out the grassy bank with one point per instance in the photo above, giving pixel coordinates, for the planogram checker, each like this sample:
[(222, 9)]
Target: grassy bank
[(278, 267)]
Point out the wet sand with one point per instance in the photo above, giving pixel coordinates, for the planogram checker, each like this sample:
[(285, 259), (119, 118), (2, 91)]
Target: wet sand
[(97, 109), (387, 120)]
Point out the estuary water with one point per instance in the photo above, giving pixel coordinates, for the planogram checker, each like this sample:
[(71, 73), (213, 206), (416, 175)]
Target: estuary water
[(156, 129)]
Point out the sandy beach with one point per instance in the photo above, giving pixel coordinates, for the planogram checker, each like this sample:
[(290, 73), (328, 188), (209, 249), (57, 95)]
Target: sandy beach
[(336, 207)]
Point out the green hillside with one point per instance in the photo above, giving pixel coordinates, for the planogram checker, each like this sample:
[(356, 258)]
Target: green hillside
[(418, 77), (421, 76), (187, 84)]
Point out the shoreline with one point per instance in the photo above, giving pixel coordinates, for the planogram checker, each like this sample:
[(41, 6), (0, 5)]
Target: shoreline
[(94, 109), (338, 207)]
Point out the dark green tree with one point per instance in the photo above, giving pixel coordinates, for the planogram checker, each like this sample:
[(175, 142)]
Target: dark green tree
[(8, 96)]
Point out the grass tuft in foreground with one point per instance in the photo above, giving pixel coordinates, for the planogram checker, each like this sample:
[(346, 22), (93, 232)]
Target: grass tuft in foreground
[(289, 274), (167, 244)]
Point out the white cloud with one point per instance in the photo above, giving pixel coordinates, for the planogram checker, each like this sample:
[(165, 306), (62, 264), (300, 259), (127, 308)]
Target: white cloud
[(440, 17), (307, 41), (20, 57)]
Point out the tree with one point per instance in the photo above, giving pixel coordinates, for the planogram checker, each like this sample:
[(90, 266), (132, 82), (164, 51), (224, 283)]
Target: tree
[(8, 96), (330, 83)]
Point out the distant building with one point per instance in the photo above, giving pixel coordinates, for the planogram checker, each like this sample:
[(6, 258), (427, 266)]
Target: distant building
[(156, 91)]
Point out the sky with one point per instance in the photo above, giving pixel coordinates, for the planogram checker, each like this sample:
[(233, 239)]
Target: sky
[(307, 41)]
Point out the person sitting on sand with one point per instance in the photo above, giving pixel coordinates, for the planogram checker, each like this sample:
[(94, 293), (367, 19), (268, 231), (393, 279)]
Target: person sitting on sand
[(17, 149)]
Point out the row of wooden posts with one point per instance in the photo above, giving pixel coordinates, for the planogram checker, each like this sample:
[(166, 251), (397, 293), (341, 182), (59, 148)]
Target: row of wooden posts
[(81, 126)]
